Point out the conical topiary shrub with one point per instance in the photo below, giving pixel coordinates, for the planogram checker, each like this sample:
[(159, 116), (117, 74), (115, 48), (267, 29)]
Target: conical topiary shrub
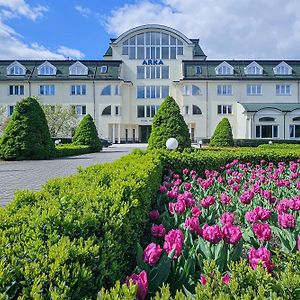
[(27, 134), (87, 134), (169, 123), (222, 136)]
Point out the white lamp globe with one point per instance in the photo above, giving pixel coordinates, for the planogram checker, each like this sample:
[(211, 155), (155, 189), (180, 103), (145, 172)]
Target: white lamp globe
[(172, 144)]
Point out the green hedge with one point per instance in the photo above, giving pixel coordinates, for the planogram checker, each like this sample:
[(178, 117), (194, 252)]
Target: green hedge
[(70, 150), (255, 142), (79, 233), (286, 146)]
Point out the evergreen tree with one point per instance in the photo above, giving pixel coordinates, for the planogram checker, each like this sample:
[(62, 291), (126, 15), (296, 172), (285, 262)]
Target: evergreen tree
[(26, 135), (222, 136), (87, 134), (169, 123)]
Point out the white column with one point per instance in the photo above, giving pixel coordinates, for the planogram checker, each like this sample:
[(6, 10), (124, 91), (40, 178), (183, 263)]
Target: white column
[(119, 133), (114, 133), (190, 128)]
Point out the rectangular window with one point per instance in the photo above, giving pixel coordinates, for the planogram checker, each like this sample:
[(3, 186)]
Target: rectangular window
[(165, 72), (186, 90), (48, 89), (152, 72), (117, 110), (16, 90), (253, 89), (283, 89), (266, 131), (141, 92), (140, 72), (117, 90), (164, 91), (294, 131), (152, 92), (186, 109), (79, 89), (198, 70), (146, 111), (225, 89), (10, 110), (225, 109), (141, 111), (80, 110)]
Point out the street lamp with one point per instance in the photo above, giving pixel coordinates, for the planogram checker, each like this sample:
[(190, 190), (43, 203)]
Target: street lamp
[(200, 143), (270, 142), (172, 144)]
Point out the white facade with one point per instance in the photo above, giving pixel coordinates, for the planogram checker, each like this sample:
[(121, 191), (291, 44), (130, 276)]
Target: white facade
[(261, 99)]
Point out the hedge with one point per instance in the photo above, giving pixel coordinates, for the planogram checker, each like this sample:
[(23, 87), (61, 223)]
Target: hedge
[(79, 233), (70, 150), (271, 146), (255, 142)]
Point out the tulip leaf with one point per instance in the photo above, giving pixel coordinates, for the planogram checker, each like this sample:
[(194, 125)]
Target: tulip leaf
[(139, 258)]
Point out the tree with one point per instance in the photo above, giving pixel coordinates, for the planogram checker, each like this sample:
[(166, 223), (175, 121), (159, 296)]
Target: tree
[(167, 123), (62, 120), (27, 134), (3, 119), (222, 136), (87, 134)]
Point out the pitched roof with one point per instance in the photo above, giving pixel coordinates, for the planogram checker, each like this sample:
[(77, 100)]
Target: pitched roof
[(284, 107)]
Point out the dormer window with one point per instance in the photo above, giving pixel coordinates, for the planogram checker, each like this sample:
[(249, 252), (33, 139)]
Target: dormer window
[(254, 69), (78, 69), (198, 70), (283, 69), (224, 69), (103, 69), (16, 69), (46, 69)]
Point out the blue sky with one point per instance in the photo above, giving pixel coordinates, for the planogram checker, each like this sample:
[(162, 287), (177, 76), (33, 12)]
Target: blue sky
[(56, 29)]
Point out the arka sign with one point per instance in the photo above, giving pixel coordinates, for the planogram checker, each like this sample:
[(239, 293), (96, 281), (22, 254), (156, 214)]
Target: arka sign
[(152, 62)]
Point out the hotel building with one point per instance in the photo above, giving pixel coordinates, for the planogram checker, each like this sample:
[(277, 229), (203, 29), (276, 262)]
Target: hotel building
[(261, 98)]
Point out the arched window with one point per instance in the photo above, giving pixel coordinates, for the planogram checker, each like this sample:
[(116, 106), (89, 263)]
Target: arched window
[(107, 111), (296, 119), (16, 69), (196, 110), (266, 119), (106, 91), (195, 90)]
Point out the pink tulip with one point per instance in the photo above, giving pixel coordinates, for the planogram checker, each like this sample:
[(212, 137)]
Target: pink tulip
[(224, 198), (262, 231), (158, 231), (260, 255), (203, 279), (226, 279), (142, 283), (174, 240), (227, 218), (196, 212), (162, 189), (286, 220), (193, 225), (213, 233), (231, 234), (208, 201), (152, 254), (154, 215), (247, 196)]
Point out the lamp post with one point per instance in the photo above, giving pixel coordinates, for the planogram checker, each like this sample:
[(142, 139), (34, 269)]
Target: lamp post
[(172, 144), (270, 142), (200, 143)]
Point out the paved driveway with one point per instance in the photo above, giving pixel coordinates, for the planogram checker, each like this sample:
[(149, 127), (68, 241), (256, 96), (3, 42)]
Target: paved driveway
[(33, 174)]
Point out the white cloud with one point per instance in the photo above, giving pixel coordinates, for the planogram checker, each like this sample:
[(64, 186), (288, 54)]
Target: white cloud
[(12, 44), (71, 53), (226, 28), (15, 8), (84, 11)]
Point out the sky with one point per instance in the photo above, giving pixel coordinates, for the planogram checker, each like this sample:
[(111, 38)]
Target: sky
[(81, 29)]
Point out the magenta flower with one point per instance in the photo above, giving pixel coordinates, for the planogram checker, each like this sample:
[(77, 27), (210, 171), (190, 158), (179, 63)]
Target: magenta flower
[(224, 198), (186, 197), (227, 218), (173, 193), (298, 185), (187, 186), (162, 189), (286, 220), (231, 234), (262, 231), (171, 208), (193, 225), (208, 201), (142, 282), (213, 233), (251, 216), (154, 215), (247, 197), (185, 171), (180, 207), (260, 255), (152, 254), (174, 240), (203, 279), (226, 279), (158, 231), (196, 212)]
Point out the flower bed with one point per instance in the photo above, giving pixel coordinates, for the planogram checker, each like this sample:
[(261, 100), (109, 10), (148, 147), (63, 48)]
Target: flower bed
[(242, 211)]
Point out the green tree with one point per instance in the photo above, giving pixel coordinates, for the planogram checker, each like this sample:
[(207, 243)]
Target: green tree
[(222, 136), (62, 120), (26, 135), (169, 123), (87, 134), (3, 119)]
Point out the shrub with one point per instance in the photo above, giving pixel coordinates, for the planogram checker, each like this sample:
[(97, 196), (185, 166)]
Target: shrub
[(222, 136), (27, 135), (70, 150), (86, 134), (169, 123), (79, 233), (286, 146)]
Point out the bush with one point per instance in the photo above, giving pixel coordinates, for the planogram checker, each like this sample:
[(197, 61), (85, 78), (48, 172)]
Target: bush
[(79, 233), (27, 135), (70, 150), (280, 146), (86, 134), (169, 123), (222, 136)]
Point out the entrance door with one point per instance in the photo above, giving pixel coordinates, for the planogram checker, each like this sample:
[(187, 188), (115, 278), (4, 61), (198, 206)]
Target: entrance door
[(145, 131)]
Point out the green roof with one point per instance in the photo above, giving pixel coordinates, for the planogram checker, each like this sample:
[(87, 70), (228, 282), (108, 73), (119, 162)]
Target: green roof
[(197, 49), (284, 107), (208, 70), (62, 66), (108, 52)]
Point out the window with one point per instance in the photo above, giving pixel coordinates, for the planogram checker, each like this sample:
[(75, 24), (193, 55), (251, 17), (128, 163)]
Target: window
[(146, 111), (46, 69), (107, 111), (266, 119), (152, 45), (16, 90), (283, 69), (80, 110), (16, 70), (195, 90), (10, 110), (294, 131), (103, 69), (117, 110), (106, 91), (296, 119), (153, 72), (78, 69), (186, 109), (283, 89), (225, 109), (253, 89), (224, 69), (117, 90), (186, 90), (196, 110), (198, 70), (225, 89), (253, 69), (267, 131), (78, 89), (152, 92), (48, 89)]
